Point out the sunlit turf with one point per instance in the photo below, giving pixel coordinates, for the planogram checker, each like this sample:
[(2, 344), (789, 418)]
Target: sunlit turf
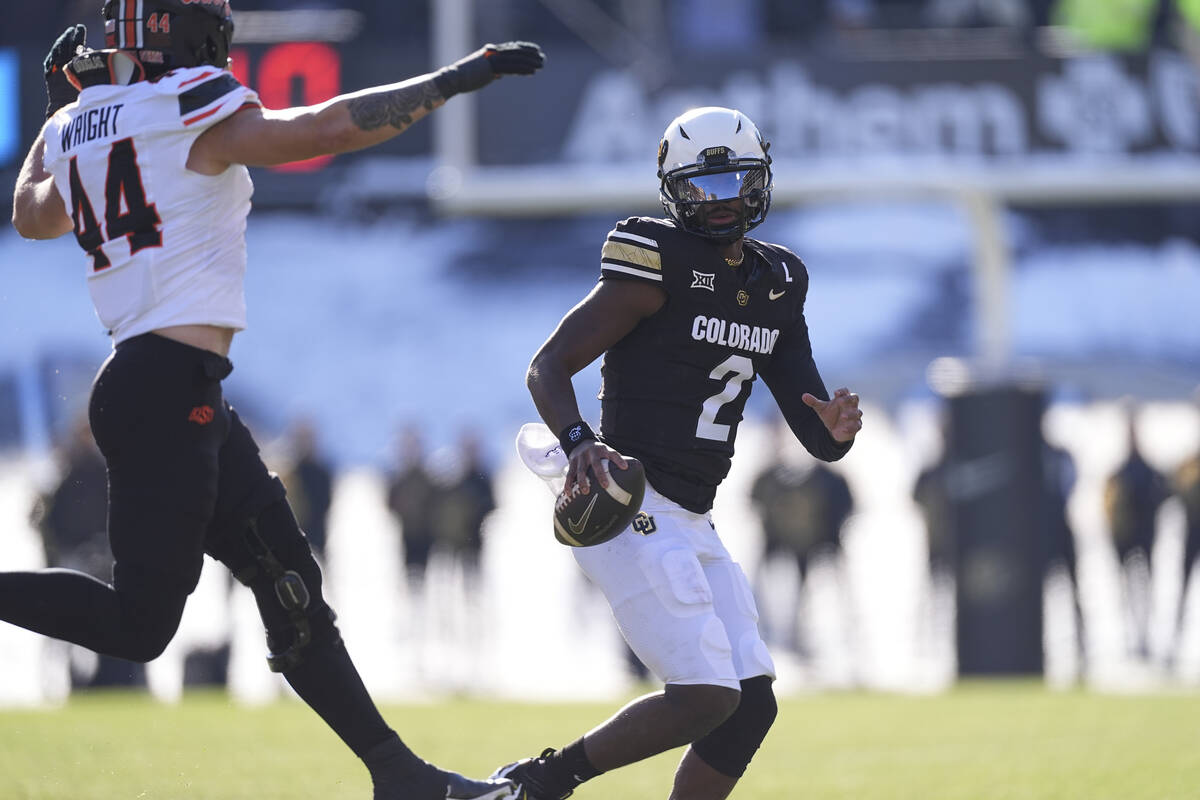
[(982, 741)]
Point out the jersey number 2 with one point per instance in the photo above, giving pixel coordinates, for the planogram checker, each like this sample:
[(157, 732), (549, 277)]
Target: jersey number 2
[(126, 212), (734, 371)]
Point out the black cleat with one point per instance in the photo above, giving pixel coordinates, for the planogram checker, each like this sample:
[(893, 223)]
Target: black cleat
[(439, 784), (526, 775), (459, 787)]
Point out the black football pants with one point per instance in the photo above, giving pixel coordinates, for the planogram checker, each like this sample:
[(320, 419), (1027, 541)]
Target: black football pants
[(185, 477)]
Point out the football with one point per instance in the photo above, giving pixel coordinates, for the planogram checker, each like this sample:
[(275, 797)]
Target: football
[(583, 520)]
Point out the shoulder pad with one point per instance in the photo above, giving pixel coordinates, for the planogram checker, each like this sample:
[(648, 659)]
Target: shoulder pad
[(208, 91), (631, 250), (786, 265)]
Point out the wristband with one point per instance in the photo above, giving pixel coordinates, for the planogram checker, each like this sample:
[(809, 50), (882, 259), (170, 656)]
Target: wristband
[(574, 435), (471, 73)]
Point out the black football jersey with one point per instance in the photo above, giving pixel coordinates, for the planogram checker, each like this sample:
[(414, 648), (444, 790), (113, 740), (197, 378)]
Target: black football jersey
[(674, 388)]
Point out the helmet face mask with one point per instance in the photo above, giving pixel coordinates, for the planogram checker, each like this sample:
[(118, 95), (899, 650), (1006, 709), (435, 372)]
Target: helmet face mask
[(713, 162), (170, 34)]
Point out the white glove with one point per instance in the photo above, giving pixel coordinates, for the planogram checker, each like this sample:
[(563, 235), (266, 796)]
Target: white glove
[(543, 455)]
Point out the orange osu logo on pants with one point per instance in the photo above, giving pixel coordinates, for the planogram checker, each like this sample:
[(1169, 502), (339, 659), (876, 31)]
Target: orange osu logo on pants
[(201, 415)]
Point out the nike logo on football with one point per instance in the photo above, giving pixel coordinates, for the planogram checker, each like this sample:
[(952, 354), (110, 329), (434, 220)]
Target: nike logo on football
[(774, 295), (577, 527)]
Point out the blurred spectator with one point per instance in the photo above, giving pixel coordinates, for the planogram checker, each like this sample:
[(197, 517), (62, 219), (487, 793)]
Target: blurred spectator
[(72, 519), (1187, 487), (1058, 472), (802, 507), (462, 500), (410, 494), (932, 495), (309, 482), (1132, 496)]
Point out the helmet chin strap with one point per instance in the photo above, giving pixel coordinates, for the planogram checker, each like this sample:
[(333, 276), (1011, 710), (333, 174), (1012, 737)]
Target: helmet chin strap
[(726, 236)]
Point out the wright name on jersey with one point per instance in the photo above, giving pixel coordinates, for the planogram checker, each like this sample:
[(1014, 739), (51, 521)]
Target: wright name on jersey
[(674, 389), (118, 156)]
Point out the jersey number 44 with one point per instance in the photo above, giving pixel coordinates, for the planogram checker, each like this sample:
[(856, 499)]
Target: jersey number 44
[(126, 211)]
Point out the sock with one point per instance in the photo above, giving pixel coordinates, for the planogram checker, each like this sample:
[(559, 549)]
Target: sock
[(397, 772), (327, 680), (567, 768)]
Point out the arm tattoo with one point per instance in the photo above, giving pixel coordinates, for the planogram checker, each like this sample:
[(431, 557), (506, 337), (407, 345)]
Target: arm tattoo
[(393, 108)]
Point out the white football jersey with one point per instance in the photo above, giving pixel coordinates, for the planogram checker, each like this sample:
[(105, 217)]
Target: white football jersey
[(166, 246)]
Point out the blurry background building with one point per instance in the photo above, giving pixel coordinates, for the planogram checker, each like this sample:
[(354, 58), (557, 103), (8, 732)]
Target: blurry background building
[(1007, 191)]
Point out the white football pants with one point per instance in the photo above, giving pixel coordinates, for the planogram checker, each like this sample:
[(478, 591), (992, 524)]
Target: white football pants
[(681, 602)]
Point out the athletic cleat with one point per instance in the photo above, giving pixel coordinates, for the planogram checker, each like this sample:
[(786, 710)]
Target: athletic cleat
[(440, 784), (459, 787), (524, 774)]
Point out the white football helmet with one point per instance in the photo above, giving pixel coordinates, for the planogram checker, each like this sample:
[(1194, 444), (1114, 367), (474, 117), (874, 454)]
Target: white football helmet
[(710, 156)]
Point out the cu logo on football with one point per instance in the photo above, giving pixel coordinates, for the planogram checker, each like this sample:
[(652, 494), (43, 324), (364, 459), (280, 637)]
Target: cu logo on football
[(643, 523)]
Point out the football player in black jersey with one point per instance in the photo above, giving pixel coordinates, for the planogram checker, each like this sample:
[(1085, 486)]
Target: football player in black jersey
[(688, 312)]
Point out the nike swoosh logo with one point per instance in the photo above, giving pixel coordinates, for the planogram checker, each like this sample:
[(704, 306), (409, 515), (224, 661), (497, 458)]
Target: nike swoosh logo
[(577, 527), (774, 295)]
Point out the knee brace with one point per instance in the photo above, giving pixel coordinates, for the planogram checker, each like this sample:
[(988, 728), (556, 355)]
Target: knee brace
[(286, 582), (729, 748)]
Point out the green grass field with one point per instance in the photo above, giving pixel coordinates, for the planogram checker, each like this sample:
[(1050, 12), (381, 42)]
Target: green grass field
[(983, 741)]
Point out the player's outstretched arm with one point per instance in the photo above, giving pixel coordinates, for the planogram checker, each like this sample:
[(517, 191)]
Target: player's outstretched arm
[(258, 137), (38, 208)]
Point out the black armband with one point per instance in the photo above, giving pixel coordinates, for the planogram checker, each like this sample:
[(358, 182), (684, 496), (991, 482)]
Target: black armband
[(574, 435)]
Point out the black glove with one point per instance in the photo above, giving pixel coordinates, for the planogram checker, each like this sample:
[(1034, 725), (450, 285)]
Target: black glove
[(486, 64), (58, 89)]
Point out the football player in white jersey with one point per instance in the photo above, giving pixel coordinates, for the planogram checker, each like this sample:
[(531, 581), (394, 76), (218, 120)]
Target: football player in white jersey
[(688, 312), (143, 157)]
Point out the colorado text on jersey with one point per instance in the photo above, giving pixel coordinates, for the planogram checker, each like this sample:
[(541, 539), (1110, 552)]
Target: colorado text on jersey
[(734, 334)]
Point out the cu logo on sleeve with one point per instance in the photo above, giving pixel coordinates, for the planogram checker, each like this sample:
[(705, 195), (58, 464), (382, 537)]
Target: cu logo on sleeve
[(643, 523)]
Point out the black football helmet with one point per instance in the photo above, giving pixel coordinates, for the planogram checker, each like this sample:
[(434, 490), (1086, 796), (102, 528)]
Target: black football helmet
[(712, 155), (169, 34)]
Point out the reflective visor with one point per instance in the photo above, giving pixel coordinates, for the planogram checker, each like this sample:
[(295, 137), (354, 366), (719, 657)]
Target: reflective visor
[(706, 187)]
